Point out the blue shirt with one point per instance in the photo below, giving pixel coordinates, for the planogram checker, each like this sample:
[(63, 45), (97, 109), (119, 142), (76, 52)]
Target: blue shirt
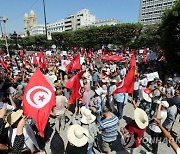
[(95, 76), (121, 97), (109, 128)]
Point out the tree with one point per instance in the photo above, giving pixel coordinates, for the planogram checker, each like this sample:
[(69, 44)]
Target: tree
[(170, 35)]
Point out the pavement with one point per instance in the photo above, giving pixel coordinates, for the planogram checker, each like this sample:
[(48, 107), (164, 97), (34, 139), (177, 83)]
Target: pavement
[(144, 148)]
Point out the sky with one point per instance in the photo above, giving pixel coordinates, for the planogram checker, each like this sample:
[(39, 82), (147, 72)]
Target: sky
[(122, 10)]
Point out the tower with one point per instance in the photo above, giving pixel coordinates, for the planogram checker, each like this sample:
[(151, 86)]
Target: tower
[(26, 21), (32, 19)]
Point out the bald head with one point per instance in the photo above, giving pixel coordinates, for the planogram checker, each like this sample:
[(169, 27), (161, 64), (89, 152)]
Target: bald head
[(59, 92)]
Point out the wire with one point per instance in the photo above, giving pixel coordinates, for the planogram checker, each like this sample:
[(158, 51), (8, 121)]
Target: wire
[(26, 10)]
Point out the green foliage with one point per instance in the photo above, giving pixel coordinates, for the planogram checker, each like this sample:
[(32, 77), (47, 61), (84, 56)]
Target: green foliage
[(132, 35), (170, 34)]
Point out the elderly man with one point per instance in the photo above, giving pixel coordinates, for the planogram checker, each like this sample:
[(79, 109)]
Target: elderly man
[(61, 104)]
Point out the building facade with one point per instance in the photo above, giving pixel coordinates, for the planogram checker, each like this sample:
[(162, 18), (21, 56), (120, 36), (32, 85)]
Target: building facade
[(81, 19), (151, 10)]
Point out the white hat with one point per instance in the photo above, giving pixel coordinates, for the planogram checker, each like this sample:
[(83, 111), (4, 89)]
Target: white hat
[(141, 118), (114, 80), (77, 135), (13, 117), (98, 91), (164, 103), (170, 79), (147, 95), (112, 70), (87, 117), (105, 80), (86, 75), (83, 108)]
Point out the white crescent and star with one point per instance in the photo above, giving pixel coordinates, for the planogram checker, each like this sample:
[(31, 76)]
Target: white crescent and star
[(38, 96)]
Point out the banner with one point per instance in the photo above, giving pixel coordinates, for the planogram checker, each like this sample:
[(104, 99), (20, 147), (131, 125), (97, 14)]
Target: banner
[(153, 75)]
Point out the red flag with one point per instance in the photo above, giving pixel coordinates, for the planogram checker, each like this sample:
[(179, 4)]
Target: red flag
[(21, 53), (74, 84), (132, 62), (113, 58), (34, 60), (74, 64), (42, 63), (127, 86), (4, 64), (40, 55), (38, 100)]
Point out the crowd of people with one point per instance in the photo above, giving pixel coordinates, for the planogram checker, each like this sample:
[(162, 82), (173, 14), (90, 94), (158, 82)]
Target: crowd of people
[(96, 115)]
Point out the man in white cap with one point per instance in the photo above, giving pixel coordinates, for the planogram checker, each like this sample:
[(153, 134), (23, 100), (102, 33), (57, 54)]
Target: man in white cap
[(155, 130)]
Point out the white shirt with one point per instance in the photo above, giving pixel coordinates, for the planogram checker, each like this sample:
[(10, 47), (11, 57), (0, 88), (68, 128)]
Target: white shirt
[(178, 151), (156, 128), (143, 83), (123, 72), (136, 85), (112, 89)]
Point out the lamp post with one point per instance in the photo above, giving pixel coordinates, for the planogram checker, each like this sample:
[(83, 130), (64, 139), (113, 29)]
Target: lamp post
[(4, 19), (44, 8)]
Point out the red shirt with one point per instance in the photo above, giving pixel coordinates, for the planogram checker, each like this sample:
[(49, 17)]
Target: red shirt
[(138, 133)]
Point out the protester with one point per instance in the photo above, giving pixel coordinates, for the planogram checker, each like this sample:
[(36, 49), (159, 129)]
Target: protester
[(155, 130), (109, 127), (58, 92), (135, 129)]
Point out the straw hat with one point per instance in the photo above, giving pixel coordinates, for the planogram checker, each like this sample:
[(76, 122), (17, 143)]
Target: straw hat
[(87, 117), (141, 118), (77, 135), (147, 95), (13, 117), (82, 110)]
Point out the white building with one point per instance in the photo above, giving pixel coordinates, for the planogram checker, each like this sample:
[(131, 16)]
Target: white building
[(82, 18), (106, 22), (56, 26), (151, 10)]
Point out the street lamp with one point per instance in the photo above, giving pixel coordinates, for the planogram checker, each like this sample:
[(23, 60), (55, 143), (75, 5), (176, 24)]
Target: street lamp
[(4, 19)]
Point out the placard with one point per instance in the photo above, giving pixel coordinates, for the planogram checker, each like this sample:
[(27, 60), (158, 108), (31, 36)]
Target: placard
[(153, 75)]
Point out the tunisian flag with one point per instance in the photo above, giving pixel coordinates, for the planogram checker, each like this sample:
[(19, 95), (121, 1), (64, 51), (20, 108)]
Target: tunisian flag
[(38, 100), (132, 62), (74, 84), (127, 85), (35, 62), (74, 64)]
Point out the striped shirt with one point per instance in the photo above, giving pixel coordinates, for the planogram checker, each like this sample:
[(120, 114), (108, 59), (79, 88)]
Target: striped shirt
[(109, 128)]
